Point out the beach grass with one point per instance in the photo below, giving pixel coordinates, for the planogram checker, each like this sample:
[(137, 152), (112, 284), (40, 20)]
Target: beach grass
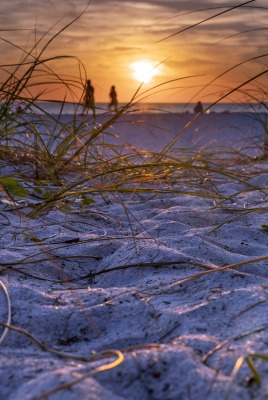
[(68, 165)]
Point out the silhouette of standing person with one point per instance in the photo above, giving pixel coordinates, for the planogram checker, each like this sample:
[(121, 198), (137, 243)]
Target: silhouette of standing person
[(89, 102), (198, 108), (113, 96)]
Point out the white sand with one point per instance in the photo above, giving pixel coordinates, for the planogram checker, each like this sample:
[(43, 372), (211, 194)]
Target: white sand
[(133, 296)]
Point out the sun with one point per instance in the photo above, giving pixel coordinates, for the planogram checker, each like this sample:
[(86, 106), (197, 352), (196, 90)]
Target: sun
[(143, 71)]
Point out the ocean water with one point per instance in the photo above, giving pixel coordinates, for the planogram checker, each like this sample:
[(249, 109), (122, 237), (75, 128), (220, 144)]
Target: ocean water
[(152, 108)]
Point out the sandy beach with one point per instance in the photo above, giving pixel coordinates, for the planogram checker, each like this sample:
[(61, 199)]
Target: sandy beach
[(170, 283)]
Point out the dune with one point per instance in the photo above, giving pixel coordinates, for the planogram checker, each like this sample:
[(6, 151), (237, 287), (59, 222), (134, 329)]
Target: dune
[(171, 284)]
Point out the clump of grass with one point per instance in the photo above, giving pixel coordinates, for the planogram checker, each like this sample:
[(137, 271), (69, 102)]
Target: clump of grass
[(27, 137), (73, 158)]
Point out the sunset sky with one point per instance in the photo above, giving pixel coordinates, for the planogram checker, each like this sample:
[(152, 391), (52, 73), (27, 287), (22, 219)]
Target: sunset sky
[(112, 35)]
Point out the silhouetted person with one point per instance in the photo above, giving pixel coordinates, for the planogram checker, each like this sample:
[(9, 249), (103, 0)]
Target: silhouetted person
[(198, 108), (89, 102), (113, 96)]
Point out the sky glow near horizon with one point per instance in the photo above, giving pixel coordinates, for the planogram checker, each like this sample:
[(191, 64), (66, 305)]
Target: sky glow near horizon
[(112, 35)]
